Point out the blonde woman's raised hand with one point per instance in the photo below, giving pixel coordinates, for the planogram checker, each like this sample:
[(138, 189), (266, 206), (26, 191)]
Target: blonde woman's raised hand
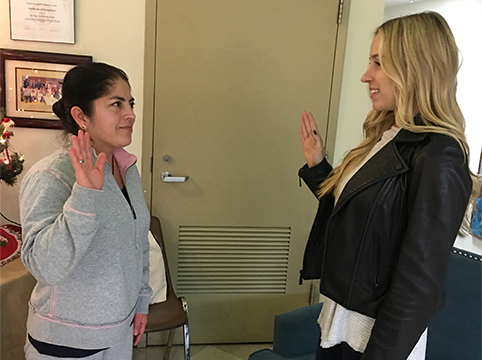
[(313, 147), (87, 174)]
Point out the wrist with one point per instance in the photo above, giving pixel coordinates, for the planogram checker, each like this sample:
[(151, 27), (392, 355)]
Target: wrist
[(316, 161)]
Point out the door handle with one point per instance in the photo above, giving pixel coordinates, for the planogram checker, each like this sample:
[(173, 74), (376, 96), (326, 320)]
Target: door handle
[(168, 178)]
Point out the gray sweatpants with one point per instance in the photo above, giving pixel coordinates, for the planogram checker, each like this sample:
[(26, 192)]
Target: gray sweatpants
[(122, 351)]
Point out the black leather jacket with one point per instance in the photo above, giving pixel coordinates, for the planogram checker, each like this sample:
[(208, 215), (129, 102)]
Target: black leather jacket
[(383, 249)]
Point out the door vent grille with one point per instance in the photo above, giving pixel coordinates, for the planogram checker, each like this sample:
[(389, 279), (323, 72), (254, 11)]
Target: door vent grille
[(232, 260)]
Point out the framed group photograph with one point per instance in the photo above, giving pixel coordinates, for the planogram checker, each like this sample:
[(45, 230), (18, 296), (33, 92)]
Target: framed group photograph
[(31, 83)]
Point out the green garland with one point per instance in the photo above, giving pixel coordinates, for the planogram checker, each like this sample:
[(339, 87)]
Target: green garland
[(11, 163), (10, 171)]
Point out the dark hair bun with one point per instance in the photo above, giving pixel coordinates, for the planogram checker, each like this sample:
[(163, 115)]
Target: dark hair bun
[(59, 109), (66, 119)]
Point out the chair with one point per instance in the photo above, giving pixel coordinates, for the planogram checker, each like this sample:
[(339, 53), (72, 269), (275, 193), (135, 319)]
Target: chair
[(296, 335), (454, 333), (172, 313)]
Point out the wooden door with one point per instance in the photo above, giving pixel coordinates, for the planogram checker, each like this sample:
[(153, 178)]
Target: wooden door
[(231, 79)]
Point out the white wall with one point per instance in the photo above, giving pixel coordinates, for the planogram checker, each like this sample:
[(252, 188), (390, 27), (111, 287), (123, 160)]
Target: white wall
[(365, 16), (464, 18), (111, 31)]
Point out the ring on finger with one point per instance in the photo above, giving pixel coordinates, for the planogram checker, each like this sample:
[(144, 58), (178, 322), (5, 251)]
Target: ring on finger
[(81, 161)]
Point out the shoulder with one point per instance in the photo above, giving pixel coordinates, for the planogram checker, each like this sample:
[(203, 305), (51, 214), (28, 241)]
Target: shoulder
[(441, 148), (440, 158), (430, 146), (55, 166)]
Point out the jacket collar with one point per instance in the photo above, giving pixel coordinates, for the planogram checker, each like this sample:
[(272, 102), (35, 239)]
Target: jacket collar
[(124, 159), (387, 162)]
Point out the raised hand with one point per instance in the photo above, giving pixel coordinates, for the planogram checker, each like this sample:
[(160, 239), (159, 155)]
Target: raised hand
[(86, 173), (313, 148)]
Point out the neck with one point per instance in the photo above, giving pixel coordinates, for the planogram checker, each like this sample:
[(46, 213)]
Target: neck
[(109, 153), (116, 171), (110, 157)]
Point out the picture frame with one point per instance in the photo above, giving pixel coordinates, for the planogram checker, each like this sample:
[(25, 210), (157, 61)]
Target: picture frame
[(480, 165), (31, 83), (476, 217), (48, 21)]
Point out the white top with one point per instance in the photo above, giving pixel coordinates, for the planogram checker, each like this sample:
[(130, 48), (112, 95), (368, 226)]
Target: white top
[(339, 324)]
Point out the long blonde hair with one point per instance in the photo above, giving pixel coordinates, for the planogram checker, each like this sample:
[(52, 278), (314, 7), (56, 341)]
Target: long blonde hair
[(419, 54)]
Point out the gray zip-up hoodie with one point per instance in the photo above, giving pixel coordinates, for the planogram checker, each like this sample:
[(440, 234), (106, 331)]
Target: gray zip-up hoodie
[(88, 250)]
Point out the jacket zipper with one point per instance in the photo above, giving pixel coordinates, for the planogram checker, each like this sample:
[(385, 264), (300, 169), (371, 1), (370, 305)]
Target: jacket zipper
[(325, 245), (365, 236), (377, 256), (126, 195)]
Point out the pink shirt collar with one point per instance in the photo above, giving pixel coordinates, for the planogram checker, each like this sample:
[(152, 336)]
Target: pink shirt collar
[(125, 160)]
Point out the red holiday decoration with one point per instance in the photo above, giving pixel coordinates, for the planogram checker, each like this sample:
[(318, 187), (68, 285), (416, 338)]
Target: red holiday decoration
[(10, 243)]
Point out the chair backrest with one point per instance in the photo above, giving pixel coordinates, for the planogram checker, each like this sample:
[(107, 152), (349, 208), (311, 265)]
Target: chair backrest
[(156, 231), (297, 332), (455, 331)]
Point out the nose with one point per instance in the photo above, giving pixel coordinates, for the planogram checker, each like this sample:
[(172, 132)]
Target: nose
[(130, 113), (366, 77)]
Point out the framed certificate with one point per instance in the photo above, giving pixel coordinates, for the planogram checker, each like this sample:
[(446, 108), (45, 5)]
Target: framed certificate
[(42, 20), (32, 83)]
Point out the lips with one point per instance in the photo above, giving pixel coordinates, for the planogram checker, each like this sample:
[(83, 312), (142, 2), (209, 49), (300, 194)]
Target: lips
[(128, 128), (374, 94)]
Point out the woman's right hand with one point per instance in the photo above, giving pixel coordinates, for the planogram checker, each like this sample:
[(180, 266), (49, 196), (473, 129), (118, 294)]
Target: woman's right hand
[(86, 173), (313, 147)]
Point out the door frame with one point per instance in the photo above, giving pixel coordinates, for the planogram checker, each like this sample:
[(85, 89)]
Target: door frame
[(149, 106)]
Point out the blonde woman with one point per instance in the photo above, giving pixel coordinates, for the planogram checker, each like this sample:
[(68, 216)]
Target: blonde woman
[(389, 214)]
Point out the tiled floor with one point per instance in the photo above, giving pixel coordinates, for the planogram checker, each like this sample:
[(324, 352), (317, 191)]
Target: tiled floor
[(200, 352)]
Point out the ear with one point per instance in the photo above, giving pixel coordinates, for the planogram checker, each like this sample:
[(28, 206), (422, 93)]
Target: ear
[(80, 118)]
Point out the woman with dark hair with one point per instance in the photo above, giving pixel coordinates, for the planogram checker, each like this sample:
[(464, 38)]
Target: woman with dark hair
[(85, 226), (389, 213)]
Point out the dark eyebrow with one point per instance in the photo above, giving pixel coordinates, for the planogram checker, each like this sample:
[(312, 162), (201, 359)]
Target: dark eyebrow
[(120, 98), (373, 57)]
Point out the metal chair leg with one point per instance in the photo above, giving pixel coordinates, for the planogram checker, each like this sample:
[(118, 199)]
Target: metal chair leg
[(167, 353), (187, 348)]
